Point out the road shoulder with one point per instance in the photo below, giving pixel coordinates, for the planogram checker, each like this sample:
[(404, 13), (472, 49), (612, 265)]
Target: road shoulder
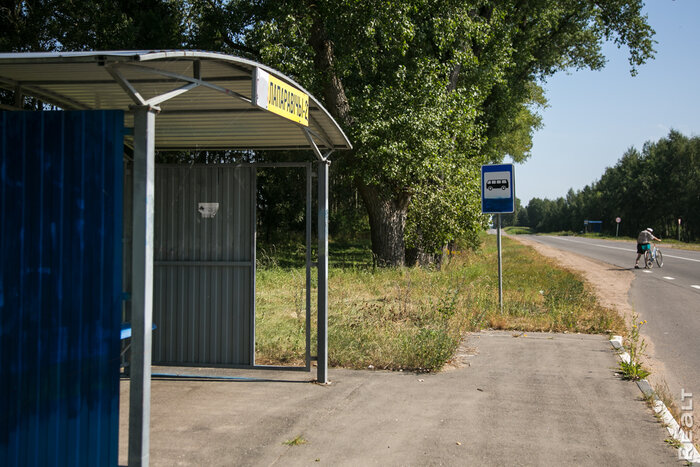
[(610, 283)]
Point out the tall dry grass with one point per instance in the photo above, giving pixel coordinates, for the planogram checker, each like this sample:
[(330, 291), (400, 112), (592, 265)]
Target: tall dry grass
[(414, 318)]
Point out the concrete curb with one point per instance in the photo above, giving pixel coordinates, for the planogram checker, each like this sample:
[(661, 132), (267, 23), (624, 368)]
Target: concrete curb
[(686, 450)]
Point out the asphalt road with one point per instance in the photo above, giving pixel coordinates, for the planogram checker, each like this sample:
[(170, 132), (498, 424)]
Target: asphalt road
[(668, 298)]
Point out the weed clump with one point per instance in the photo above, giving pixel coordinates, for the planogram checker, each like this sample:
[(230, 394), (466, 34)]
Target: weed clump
[(635, 346)]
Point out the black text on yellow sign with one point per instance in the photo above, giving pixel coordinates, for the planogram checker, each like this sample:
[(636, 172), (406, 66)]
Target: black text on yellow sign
[(288, 102), (276, 96)]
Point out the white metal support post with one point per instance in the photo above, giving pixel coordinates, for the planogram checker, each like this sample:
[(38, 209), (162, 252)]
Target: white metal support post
[(142, 286), (309, 225), (500, 264), (322, 329), (322, 368)]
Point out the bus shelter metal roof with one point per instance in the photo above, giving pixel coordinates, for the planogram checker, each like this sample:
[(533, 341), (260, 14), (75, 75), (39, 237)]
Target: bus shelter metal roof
[(176, 100), (204, 98)]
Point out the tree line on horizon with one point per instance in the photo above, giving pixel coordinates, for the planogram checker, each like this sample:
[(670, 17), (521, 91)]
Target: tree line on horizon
[(653, 188)]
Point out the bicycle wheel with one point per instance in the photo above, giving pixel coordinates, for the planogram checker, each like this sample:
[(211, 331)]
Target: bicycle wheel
[(648, 260), (659, 258)]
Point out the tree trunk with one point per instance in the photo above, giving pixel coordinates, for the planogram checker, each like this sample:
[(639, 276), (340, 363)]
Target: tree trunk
[(333, 89), (417, 256), (387, 220)]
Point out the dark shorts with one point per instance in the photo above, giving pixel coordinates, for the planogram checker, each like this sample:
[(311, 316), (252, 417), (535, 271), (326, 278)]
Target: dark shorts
[(643, 246)]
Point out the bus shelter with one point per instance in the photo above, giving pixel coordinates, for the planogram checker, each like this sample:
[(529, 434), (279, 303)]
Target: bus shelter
[(180, 100)]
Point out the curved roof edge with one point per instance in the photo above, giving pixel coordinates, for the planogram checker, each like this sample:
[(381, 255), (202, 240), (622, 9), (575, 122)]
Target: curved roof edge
[(32, 73)]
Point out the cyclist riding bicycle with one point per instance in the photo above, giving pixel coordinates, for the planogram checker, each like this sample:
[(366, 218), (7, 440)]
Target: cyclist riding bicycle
[(643, 243)]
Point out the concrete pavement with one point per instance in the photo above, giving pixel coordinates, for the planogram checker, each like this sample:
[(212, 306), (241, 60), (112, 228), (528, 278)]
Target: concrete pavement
[(665, 298), (539, 399)]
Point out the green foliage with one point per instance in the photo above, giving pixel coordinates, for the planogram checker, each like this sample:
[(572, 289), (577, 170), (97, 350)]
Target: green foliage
[(633, 371), (516, 218), (635, 346), (427, 91), (517, 230), (651, 188), (281, 203), (414, 318), (443, 211), (429, 348), (93, 25)]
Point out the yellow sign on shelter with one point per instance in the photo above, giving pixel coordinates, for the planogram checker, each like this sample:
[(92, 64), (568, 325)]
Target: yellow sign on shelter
[(278, 97)]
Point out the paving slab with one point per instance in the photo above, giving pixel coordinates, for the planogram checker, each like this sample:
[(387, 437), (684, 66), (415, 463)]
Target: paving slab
[(536, 399)]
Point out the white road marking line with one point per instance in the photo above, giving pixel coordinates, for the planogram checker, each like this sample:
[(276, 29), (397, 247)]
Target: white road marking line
[(666, 255), (669, 278), (647, 271), (593, 244), (695, 286)]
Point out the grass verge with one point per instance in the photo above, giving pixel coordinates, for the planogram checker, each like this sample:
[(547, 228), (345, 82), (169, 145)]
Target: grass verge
[(518, 230), (413, 318)]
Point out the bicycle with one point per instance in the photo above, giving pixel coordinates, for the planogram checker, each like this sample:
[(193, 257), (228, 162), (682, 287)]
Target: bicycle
[(653, 255)]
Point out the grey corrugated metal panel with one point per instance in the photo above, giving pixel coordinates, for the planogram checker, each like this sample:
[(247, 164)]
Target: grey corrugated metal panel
[(239, 123), (203, 311), (196, 98), (205, 321), (263, 132), (96, 94), (104, 93), (87, 91), (65, 67), (60, 72), (46, 75), (179, 190), (97, 80)]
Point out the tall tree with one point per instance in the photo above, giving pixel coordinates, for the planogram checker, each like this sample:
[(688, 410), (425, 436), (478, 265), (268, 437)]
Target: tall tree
[(32, 25), (424, 87), (427, 90)]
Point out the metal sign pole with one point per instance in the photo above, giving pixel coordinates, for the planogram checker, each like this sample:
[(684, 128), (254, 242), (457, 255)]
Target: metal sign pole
[(500, 264), (497, 197)]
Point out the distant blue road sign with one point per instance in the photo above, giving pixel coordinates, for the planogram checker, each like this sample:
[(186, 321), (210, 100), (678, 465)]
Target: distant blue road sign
[(497, 189)]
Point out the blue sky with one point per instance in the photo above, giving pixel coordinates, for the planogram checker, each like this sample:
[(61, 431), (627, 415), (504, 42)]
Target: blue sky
[(595, 116)]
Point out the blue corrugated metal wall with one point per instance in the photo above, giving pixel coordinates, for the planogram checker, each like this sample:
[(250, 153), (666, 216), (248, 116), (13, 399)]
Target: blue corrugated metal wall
[(60, 287)]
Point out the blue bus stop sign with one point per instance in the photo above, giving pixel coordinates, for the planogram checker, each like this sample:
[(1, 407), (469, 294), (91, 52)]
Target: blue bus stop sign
[(497, 189)]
